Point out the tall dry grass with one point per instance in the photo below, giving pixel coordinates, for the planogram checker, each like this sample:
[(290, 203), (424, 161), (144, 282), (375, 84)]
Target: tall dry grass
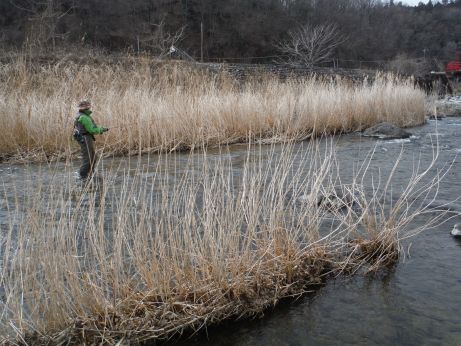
[(173, 106), (170, 251)]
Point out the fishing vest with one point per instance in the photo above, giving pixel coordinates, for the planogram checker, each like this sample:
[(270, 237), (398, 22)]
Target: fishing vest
[(79, 129)]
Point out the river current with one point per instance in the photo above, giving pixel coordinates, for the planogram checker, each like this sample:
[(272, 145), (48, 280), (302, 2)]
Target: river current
[(418, 302)]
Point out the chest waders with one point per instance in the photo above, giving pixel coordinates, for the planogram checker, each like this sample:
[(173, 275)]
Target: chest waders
[(88, 157), (86, 142)]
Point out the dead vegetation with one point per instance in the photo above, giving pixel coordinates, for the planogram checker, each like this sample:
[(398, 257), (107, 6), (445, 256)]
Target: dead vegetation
[(153, 107), (166, 253)]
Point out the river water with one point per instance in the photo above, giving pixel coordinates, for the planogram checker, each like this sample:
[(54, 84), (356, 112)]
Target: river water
[(417, 302)]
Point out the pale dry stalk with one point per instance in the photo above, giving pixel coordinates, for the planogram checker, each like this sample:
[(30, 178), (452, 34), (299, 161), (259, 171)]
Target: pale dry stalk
[(175, 246), (163, 108)]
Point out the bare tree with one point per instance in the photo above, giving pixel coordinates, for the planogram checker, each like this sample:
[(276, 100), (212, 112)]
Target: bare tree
[(310, 45), (44, 17), (160, 40)]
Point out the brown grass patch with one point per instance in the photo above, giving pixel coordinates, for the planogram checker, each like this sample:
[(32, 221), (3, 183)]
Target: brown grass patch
[(166, 107)]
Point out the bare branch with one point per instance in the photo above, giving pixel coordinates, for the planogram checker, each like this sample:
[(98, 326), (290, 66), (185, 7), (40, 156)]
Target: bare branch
[(311, 45), (44, 17), (161, 40)]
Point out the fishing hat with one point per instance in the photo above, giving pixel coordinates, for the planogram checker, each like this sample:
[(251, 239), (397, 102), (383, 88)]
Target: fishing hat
[(84, 104)]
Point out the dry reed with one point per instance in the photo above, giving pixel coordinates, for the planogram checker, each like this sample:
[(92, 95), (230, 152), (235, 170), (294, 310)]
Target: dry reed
[(174, 106), (166, 252)]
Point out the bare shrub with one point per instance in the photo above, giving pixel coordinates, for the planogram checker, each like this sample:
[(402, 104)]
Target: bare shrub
[(44, 18), (161, 40), (311, 45), (402, 64)]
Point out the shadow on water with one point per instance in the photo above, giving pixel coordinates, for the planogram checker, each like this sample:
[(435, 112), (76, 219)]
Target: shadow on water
[(213, 335), (252, 331)]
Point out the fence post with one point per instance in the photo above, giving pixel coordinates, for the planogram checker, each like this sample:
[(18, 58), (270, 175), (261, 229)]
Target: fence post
[(201, 41)]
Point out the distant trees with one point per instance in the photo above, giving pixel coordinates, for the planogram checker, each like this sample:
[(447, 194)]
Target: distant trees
[(43, 19), (240, 30)]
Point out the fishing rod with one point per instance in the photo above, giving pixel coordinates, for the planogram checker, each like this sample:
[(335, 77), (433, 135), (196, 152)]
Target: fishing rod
[(158, 118)]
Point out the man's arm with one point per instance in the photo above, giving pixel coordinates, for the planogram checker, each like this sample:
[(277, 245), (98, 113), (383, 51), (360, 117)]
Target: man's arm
[(89, 127)]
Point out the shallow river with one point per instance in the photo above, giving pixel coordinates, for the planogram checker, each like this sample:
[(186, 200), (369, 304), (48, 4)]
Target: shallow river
[(418, 302)]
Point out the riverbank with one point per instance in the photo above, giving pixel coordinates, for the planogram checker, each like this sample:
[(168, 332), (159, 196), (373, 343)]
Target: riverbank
[(165, 107)]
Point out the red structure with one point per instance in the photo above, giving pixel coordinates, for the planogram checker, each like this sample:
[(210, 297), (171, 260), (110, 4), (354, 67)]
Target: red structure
[(453, 69), (453, 66)]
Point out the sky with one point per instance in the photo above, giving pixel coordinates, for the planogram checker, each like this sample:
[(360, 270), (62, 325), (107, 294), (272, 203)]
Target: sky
[(413, 2)]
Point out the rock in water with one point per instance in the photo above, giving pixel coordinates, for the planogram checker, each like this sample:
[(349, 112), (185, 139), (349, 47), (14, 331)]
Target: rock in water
[(337, 199), (436, 117), (386, 131), (456, 231)]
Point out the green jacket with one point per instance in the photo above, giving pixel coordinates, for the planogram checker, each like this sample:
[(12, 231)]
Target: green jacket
[(86, 125)]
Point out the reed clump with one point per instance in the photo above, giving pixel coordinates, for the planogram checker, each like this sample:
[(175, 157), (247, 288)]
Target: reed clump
[(153, 107), (176, 245)]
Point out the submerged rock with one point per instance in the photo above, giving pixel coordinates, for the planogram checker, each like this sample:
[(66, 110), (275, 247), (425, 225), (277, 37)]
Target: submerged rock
[(337, 199), (386, 131), (436, 117)]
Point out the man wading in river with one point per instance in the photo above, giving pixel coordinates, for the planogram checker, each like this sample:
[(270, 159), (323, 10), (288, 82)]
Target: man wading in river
[(84, 131)]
